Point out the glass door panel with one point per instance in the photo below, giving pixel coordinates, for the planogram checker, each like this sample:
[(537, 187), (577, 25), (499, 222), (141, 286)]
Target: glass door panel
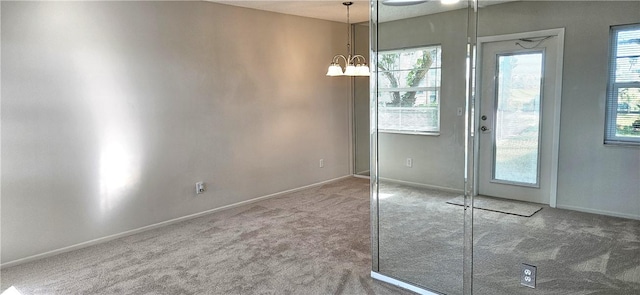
[(419, 103), (517, 124)]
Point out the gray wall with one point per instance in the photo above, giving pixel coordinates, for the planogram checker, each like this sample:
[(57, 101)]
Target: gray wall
[(111, 111), (438, 161), (592, 176)]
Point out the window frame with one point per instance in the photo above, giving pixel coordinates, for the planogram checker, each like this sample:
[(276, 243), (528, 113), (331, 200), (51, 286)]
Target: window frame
[(427, 89), (613, 87)]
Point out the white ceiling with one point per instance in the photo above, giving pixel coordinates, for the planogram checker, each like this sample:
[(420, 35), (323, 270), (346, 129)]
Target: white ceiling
[(333, 10)]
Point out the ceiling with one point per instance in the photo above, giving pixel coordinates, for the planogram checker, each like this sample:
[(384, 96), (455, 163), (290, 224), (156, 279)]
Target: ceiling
[(333, 10)]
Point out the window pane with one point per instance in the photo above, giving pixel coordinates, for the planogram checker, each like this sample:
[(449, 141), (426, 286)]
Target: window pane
[(408, 85), (623, 98), (628, 56), (420, 58), (628, 69), (388, 80), (628, 112), (418, 112), (628, 43), (407, 98), (409, 59), (413, 78), (388, 61), (433, 78)]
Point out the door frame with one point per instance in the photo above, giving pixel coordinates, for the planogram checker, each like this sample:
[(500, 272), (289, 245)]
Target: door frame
[(555, 144)]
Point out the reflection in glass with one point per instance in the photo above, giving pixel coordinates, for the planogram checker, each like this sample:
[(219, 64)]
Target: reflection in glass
[(420, 235), (517, 127), (419, 93), (423, 117), (408, 91)]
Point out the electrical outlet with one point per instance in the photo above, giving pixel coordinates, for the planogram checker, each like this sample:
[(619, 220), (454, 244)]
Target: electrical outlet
[(528, 275), (409, 162), (200, 187), (321, 163)]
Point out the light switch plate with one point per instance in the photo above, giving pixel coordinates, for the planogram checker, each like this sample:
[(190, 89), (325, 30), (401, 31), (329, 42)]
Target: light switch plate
[(200, 187)]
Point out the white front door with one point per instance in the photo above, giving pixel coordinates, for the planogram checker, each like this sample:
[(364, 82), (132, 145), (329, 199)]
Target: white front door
[(517, 126)]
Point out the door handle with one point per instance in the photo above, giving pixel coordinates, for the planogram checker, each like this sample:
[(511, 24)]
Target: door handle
[(484, 129)]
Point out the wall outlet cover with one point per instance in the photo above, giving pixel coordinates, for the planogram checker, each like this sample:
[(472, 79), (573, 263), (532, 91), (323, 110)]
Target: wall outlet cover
[(528, 275)]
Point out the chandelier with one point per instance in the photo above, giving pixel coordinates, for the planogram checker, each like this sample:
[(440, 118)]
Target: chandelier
[(355, 65)]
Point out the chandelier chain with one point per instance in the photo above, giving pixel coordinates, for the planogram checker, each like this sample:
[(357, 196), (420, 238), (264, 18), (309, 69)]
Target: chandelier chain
[(348, 28)]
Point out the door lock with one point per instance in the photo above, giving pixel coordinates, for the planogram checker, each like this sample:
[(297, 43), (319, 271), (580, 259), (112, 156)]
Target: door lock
[(484, 129), (484, 118)]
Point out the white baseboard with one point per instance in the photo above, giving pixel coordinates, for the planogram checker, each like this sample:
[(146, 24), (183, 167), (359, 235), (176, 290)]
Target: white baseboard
[(600, 212), (400, 284), (361, 176), (157, 225), (423, 185)]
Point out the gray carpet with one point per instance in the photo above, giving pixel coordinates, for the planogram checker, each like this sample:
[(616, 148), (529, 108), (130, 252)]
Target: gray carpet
[(317, 242), (576, 253), (421, 237), (309, 242), (499, 205)]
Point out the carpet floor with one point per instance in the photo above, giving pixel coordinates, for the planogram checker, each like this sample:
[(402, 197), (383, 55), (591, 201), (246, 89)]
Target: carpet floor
[(315, 241), (421, 240)]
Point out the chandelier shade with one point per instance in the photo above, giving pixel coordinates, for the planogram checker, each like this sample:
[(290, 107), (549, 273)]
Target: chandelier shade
[(334, 70)]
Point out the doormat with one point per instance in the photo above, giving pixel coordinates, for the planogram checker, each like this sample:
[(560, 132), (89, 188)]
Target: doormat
[(499, 205)]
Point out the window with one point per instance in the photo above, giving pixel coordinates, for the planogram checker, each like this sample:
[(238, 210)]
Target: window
[(623, 97), (409, 90)]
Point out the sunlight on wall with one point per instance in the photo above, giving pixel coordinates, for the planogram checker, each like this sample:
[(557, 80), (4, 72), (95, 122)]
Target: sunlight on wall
[(105, 89), (118, 173), (104, 83)]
